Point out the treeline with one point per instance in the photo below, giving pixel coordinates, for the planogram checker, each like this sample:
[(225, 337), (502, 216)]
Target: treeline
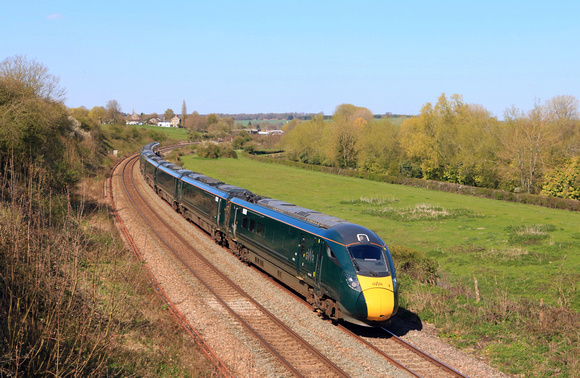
[(72, 300), (532, 152)]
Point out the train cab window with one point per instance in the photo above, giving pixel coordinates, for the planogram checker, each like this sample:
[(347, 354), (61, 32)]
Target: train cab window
[(245, 222), (252, 225), (369, 260), (260, 229), (331, 255)]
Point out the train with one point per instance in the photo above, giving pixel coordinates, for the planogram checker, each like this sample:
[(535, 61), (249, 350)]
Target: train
[(344, 270)]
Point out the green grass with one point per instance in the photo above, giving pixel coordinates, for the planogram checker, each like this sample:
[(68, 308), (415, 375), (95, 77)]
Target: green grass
[(524, 315), (467, 236), (171, 132)]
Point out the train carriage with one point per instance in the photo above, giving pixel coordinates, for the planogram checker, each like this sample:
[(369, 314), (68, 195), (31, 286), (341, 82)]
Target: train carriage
[(167, 179), (201, 200), (343, 269)]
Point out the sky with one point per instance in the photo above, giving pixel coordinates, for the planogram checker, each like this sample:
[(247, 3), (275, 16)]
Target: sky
[(299, 56)]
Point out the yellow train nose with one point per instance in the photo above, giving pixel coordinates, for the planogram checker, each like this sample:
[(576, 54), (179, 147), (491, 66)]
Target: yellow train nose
[(379, 297)]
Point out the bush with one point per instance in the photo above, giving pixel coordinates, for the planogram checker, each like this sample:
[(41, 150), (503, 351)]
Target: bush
[(213, 151), (414, 263)]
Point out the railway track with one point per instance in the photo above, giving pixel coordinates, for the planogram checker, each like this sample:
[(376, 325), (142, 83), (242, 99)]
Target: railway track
[(298, 356), (402, 354)]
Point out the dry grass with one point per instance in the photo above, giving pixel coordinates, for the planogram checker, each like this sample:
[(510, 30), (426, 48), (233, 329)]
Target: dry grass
[(373, 201), (73, 300), (419, 212), (505, 254)]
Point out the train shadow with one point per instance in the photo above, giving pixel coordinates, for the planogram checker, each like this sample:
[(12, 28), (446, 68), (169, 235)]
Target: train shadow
[(401, 324)]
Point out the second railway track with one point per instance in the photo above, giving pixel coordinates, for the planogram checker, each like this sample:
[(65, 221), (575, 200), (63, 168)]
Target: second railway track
[(292, 351)]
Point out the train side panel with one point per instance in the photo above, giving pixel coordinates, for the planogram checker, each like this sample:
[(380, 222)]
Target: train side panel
[(167, 180), (200, 204), (287, 251)]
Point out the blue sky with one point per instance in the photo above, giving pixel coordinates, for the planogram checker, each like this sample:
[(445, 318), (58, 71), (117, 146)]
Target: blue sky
[(299, 56)]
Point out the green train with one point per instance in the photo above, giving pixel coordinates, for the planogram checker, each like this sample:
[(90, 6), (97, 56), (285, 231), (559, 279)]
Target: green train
[(345, 271)]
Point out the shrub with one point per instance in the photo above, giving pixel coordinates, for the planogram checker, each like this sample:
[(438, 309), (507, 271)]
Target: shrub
[(414, 263)]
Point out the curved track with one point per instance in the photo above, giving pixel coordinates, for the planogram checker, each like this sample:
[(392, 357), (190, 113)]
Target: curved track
[(292, 351), (406, 356), (300, 358)]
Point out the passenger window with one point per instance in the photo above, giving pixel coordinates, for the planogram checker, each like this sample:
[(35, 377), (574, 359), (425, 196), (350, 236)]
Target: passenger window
[(260, 229), (245, 222), (252, 225)]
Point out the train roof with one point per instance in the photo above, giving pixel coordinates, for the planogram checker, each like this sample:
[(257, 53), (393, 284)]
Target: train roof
[(205, 179), (236, 191), (315, 217)]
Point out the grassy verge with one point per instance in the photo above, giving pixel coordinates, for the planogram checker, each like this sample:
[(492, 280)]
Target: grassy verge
[(74, 301), (507, 285)]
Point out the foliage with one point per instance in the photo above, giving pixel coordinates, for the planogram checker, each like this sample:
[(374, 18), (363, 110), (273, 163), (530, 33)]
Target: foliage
[(414, 263), (450, 141), (168, 115), (113, 112), (304, 142), (241, 140), (32, 75), (211, 150), (496, 194), (564, 181), (39, 137), (378, 148)]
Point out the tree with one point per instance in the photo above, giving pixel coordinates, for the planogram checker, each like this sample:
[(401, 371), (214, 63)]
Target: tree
[(305, 142), (564, 181), (113, 112), (97, 114), (32, 75), (563, 107), (37, 134), (525, 141), (196, 122), (183, 113), (168, 115), (342, 134), (212, 119), (378, 148)]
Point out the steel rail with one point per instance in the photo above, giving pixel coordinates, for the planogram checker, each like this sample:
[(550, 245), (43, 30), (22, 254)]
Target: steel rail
[(180, 318), (315, 353), (423, 354)]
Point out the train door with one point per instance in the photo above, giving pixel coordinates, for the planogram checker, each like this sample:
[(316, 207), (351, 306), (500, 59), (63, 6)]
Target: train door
[(318, 269), (308, 256)]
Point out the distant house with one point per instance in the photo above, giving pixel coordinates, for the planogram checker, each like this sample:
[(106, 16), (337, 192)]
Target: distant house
[(175, 121), (271, 132), (164, 123), (134, 119)]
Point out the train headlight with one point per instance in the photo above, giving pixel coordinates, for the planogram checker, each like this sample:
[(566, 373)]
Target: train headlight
[(352, 281)]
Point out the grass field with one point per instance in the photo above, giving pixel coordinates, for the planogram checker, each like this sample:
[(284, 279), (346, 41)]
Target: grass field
[(523, 314), (171, 132), (529, 251)]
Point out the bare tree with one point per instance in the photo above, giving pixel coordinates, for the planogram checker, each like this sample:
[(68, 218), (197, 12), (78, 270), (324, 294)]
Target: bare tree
[(563, 107), (113, 111), (34, 75)]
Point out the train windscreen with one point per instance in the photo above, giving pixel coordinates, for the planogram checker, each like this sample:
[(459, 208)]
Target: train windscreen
[(369, 260)]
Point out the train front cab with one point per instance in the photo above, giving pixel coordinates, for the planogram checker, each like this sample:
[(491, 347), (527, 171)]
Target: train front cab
[(368, 289)]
